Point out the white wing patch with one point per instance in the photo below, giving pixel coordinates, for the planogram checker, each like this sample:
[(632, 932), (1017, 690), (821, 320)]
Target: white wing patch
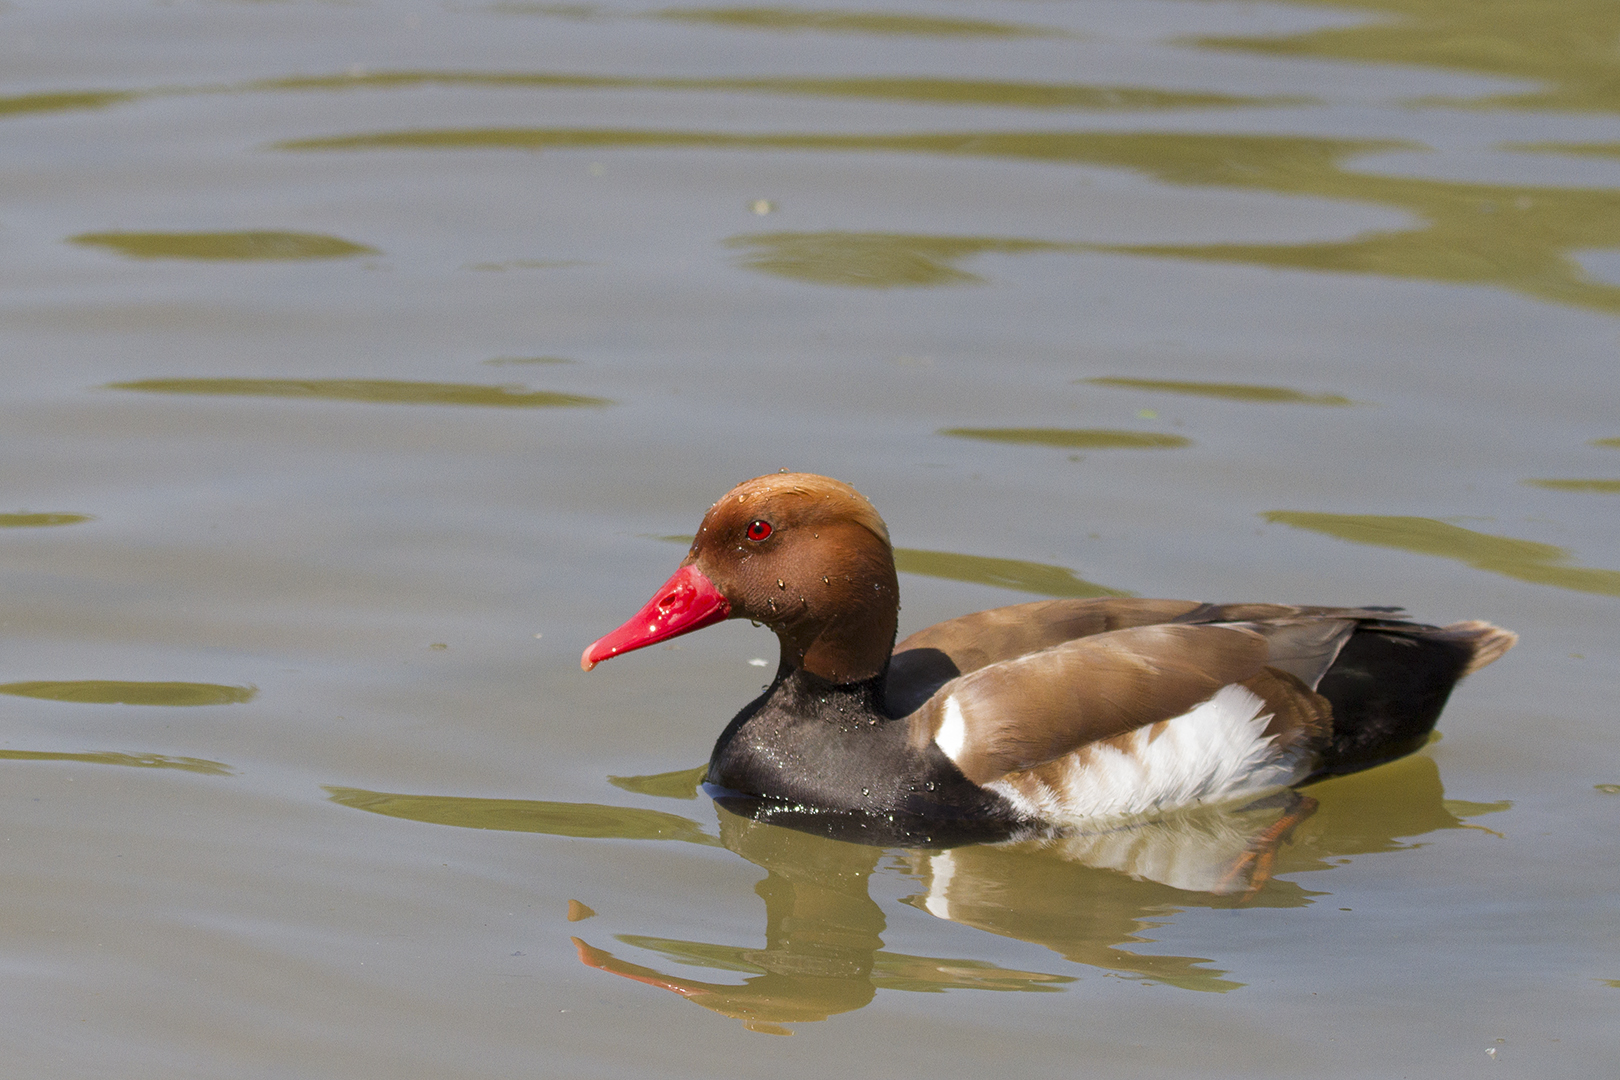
[(1218, 751), (952, 735)]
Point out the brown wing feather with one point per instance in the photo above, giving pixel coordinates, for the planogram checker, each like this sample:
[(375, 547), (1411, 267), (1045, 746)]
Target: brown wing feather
[(1304, 647), (988, 637), (1304, 640), (1019, 713), (926, 660)]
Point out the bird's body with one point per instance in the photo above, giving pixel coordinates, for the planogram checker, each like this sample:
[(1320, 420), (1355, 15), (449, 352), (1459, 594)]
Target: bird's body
[(1038, 715)]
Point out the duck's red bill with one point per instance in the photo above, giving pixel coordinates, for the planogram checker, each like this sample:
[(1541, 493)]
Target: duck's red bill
[(687, 601)]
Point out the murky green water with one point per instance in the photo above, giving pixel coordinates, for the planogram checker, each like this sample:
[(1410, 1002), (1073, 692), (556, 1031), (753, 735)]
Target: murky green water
[(361, 359)]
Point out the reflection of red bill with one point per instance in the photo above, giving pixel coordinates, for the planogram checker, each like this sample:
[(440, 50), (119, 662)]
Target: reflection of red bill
[(601, 960)]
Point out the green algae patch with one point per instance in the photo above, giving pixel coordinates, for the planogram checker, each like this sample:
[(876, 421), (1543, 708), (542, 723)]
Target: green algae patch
[(1523, 560), (109, 692), (584, 820), (377, 391), (1032, 577), (263, 246), (1271, 395), (1074, 438), (35, 521)]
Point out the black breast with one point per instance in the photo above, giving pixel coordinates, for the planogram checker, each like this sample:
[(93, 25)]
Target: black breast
[(808, 748)]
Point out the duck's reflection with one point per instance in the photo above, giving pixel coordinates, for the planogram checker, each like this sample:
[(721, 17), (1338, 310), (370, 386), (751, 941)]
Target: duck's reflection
[(1090, 898), (823, 951)]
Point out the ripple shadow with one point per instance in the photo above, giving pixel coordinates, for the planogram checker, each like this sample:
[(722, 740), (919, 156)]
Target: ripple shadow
[(1073, 438), (1524, 560), (1031, 577), (253, 246), (109, 757), (26, 520), (111, 692), (377, 391), (1270, 395)]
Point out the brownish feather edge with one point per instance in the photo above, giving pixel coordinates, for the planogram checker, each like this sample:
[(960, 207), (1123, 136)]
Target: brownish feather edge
[(1488, 642), (1301, 719)]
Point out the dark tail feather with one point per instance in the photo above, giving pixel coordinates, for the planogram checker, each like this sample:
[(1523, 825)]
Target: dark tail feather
[(1390, 682)]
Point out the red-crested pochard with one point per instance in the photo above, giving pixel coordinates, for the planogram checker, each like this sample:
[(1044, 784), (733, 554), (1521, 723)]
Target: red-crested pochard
[(1052, 713)]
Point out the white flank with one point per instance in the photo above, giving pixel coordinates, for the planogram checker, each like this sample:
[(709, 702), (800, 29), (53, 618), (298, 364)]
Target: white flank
[(942, 867), (952, 734), (1218, 751)]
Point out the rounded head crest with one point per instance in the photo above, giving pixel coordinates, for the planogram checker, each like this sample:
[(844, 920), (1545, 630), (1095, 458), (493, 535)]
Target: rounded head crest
[(802, 499)]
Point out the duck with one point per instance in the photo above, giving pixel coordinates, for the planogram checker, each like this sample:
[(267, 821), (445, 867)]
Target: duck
[(1049, 715)]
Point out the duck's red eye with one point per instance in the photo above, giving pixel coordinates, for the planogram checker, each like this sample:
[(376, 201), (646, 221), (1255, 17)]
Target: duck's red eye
[(758, 530)]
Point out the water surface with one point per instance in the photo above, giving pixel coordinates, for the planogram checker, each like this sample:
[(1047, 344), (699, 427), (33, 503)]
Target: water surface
[(358, 357)]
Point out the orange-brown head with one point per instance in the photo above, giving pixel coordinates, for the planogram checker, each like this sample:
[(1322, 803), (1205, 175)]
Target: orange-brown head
[(806, 555)]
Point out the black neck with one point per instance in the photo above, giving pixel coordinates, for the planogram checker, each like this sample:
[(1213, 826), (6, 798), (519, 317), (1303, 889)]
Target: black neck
[(805, 693)]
